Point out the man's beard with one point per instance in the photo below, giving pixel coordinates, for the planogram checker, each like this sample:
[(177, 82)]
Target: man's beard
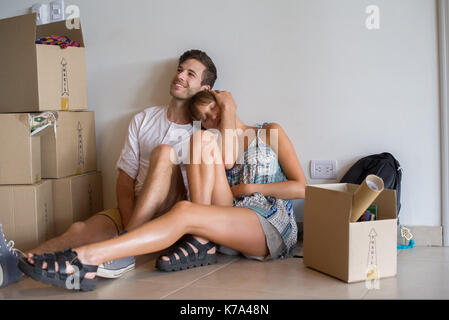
[(184, 96)]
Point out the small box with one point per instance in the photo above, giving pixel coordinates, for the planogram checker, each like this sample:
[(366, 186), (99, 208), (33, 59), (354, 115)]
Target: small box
[(26, 214), (70, 148), (39, 77), (20, 156), (349, 251), (76, 198)]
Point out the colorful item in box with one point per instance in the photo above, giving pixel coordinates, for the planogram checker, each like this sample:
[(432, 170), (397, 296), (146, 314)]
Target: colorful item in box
[(61, 41), (370, 214)]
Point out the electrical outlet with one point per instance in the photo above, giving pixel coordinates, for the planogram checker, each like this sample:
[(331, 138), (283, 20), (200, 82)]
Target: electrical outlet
[(323, 169)]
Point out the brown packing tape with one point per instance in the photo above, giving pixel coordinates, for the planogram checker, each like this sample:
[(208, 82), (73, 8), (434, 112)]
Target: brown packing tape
[(364, 196), (65, 104)]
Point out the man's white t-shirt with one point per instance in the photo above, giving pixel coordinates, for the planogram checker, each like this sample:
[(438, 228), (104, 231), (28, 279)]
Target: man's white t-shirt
[(147, 130)]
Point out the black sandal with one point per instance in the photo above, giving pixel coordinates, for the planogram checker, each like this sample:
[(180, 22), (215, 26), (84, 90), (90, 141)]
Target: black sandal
[(60, 279), (193, 260)]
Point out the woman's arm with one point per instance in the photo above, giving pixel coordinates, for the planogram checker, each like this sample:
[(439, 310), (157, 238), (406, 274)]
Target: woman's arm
[(229, 140), (294, 188)]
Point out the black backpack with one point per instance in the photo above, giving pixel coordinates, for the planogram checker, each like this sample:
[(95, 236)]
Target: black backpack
[(383, 165)]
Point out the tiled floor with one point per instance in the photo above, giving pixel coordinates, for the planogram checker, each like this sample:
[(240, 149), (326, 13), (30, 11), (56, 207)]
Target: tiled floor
[(423, 273)]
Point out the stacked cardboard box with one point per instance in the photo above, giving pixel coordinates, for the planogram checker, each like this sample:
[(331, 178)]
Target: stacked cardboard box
[(47, 180)]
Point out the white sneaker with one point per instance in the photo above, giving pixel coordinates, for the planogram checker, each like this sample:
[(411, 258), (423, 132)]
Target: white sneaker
[(116, 268)]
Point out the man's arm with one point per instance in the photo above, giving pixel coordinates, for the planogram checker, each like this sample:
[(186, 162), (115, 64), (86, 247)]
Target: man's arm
[(125, 196)]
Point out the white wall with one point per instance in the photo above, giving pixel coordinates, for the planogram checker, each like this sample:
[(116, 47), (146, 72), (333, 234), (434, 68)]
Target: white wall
[(340, 90)]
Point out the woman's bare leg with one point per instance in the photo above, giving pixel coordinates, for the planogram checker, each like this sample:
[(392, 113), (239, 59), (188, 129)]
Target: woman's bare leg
[(208, 183), (207, 179), (234, 227)]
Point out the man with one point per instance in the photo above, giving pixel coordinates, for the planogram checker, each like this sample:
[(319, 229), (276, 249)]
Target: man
[(149, 181)]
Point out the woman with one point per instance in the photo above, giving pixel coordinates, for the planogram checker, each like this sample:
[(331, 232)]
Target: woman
[(240, 191)]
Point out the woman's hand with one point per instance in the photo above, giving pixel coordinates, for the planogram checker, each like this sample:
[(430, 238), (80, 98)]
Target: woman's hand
[(242, 190), (225, 102)]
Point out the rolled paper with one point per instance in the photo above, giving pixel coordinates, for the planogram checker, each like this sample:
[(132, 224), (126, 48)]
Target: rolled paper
[(364, 196)]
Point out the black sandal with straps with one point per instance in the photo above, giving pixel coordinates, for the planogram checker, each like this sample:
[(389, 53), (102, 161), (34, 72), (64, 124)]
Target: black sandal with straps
[(61, 278), (193, 260)]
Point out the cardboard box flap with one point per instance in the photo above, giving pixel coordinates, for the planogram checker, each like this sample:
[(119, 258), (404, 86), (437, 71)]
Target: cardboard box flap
[(337, 189), (60, 29), (386, 205), (20, 29), (340, 187), (326, 230), (18, 56)]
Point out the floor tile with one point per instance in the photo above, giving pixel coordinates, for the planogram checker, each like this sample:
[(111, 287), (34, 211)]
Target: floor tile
[(415, 280), (148, 272), (422, 274), (200, 292), (145, 282), (285, 277)]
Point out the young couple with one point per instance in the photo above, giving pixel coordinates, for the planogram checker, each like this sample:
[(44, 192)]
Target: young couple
[(235, 192)]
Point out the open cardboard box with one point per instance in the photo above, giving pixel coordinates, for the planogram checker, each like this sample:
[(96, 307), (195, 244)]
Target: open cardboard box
[(76, 198), (27, 214), (349, 251), (39, 77)]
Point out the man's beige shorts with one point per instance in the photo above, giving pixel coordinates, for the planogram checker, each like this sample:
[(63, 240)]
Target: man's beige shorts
[(114, 215)]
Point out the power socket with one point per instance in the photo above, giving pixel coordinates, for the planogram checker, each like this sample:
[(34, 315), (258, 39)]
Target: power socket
[(323, 169)]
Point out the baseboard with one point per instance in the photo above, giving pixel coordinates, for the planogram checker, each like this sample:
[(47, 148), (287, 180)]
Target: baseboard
[(424, 236)]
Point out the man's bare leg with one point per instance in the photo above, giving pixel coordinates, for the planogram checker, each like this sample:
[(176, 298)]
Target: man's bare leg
[(163, 187), (94, 229)]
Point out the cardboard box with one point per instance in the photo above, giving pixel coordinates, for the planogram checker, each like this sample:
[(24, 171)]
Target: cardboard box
[(350, 251), (76, 198), (38, 77), (26, 213), (71, 148), (20, 158)]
